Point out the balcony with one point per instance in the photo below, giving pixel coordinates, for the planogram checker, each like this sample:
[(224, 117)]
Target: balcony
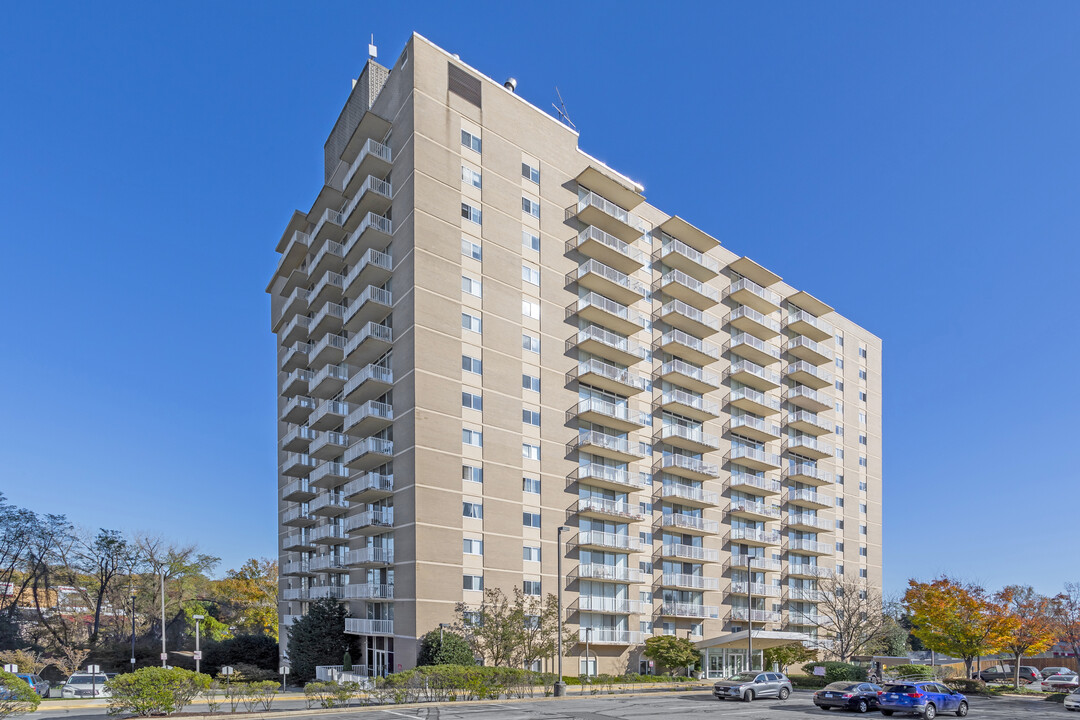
[(374, 196), (329, 535), (369, 453), (369, 591), (329, 349), (680, 286), (688, 553), (747, 292), (296, 382), (608, 573), (689, 610), (597, 373), (754, 483), (367, 384), (608, 414), (293, 253), (808, 522), (808, 399), (809, 499), (371, 306), (809, 547), (689, 376), (374, 267), (688, 524), (749, 320), (297, 517), (806, 349), (330, 288), (298, 491), (296, 330), (805, 595), (807, 374), (754, 375), (610, 636), (754, 458), (596, 540), (752, 427), (597, 211), (594, 243), (807, 570), (687, 467), (334, 592), (369, 557), (295, 356), (595, 340), (754, 401), (808, 473), (754, 510), (685, 581), (296, 567), (688, 347), (374, 231), (329, 475), (297, 409), (363, 626), (328, 564), (610, 478), (746, 346), (329, 380), (803, 323), (604, 509), (687, 318), (370, 522), (738, 562), (295, 594), (295, 302), (689, 405), (689, 495), (741, 587), (753, 536), (610, 605), (595, 442), (596, 308), (328, 319), (297, 464), (687, 438), (328, 505), (680, 256), (369, 418), (370, 343), (329, 413), (758, 616), (803, 619), (598, 277), (809, 446), (374, 158), (809, 423), (329, 258), (369, 487), (297, 542), (298, 439)]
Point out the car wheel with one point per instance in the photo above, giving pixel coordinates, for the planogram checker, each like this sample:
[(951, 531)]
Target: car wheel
[(862, 707), (748, 696), (930, 712), (962, 710), (784, 694), (886, 713)]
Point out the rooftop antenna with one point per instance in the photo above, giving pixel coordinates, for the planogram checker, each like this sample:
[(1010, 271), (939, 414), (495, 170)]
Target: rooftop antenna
[(372, 51), (561, 110)]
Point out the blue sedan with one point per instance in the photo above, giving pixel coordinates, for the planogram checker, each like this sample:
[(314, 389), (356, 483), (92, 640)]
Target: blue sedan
[(921, 697)]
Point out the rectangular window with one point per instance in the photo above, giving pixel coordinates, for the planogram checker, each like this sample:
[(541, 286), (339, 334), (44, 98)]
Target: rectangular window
[(470, 249), (840, 430), (862, 396), (530, 240), (530, 309), (531, 587), (839, 502), (470, 141), (470, 286), (530, 383), (472, 437), (471, 364), (862, 353), (472, 214), (472, 547), (473, 582), (645, 566), (840, 385), (530, 207), (840, 453), (862, 374), (531, 417), (862, 486), (472, 401), (645, 537), (862, 572), (862, 551), (530, 173), (862, 439), (530, 275), (472, 474), (862, 462), (645, 626), (471, 322), (839, 547), (669, 628), (839, 569), (862, 508), (839, 524), (862, 529), (530, 452), (470, 176), (530, 519), (840, 362), (839, 479), (530, 485), (531, 553), (472, 510), (839, 340), (645, 596), (840, 407), (530, 343), (862, 418)]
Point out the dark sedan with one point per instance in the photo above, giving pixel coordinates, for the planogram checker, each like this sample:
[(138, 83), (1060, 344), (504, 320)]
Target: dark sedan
[(860, 697)]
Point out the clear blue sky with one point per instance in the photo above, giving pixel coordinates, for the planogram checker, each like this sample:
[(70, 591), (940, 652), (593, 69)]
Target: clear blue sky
[(917, 165)]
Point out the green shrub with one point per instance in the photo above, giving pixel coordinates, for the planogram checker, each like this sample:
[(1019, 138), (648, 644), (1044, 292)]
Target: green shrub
[(329, 694), (155, 691), (813, 682), (837, 671), (16, 696), (914, 671), (966, 686), (246, 672), (260, 651), (444, 648)]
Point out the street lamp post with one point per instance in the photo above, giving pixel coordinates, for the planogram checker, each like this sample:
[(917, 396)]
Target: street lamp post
[(560, 686), (198, 655), (164, 655), (588, 671), (749, 618), (133, 627)]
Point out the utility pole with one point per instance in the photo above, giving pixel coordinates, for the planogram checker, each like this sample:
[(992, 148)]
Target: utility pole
[(132, 628), (164, 655), (198, 655), (749, 618), (560, 686)]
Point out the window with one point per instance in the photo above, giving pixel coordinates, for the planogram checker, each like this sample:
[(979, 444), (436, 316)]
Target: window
[(530, 207), (645, 566), (472, 401), (840, 430), (862, 418), (530, 275), (471, 364), (839, 502), (473, 582), (531, 553), (645, 626), (862, 374), (839, 524), (645, 596), (530, 485), (840, 362), (470, 322), (862, 551), (669, 628), (862, 572), (531, 587), (530, 452), (470, 249), (530, 519), (530, 343), (839, 340), (472, 617), (839, 407), (530, 309), (839, 569), (470, 286), (530, 383), (530, 173), (839, 479), (470, 141), (645, 538), (472, 510), (862, 486), (862, 353), (862, 461), (862, 508), (862, 396), (840, 453), (839, 547), (862, 529), (472, 214), (472, 437), (530, 240), (862, 439), (645, 508), (531, 417), (472, 473), (470, 176), (840, 385), (472, 547)]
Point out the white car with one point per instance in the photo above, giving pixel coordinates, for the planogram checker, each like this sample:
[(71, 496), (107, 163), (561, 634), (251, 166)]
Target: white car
[(1072, 700), (1054, 683), (85, 685)]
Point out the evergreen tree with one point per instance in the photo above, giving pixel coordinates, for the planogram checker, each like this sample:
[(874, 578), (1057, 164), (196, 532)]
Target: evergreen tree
[(451, 649), (319, 638)]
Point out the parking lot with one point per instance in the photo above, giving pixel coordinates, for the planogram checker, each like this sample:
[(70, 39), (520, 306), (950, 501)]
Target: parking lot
[(653, 706)]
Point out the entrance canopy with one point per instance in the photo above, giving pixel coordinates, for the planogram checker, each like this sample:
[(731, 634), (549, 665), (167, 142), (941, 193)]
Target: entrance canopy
[(762, 639)]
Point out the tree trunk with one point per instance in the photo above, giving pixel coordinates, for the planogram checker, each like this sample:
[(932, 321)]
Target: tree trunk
[(967, 665), (1016, 671)]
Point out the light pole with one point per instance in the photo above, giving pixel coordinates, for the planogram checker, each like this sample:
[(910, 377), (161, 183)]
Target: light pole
[(164, 655), (133, 627), (560, 686), (749, 618), (198, 655), (588, 672)]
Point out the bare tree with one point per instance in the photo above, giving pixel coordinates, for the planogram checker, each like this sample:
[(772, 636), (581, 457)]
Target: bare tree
[(1065, 610), (103, 558), (850, 615)]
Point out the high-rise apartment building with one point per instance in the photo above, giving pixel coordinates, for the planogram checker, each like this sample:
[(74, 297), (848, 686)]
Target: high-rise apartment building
[(485, 334)]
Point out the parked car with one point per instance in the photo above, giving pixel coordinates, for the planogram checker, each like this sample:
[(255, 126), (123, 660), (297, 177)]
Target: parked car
[(748, 686), (1072, 701), (40, 686), (85, 685), (921, 697), (1060, 683), (1004, 673), (1048, 671), (859, 697)]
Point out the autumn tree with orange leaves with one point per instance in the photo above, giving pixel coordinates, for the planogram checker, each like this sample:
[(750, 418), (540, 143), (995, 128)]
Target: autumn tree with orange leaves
[(957, 619), (1033, 630)]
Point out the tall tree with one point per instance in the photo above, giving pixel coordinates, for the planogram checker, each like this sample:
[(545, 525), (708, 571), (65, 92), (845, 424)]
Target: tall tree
[(101, 558), (1032, 628), (851, 614), (493, 629), (249, 595), (671, 652), (539, 627), (319, 638), (1065, 610)]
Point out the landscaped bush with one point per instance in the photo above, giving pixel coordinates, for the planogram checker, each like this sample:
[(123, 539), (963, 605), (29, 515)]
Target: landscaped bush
[(837, 671), (914, 672), (155, 691), (329, 694), (966, 686), (251, 650), (812, 682), (16, 696)]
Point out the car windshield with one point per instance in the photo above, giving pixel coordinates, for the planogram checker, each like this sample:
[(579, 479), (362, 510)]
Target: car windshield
[(744, 677), (841, 686), (905, 689), (86, 679)]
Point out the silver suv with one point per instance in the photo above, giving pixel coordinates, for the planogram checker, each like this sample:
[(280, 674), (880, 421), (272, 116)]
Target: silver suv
[(749, 686)]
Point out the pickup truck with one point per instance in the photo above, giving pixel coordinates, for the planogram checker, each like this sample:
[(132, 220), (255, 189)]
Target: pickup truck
[(1004, 673)]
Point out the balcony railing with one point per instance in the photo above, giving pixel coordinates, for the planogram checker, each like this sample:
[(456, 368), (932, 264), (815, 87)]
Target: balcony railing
[(612, 340), (689, 552), (595, 267), (812, 546), (613, 508), (369, 445), (363, 626), (801, 316), (765, 537), (610, 636), (328, 501), (691, 371), (331, 534), (695, 582), (809, 569), (324, 563), (745, 312), (678, 247), (614, 373), (691, 435), (332, 472), (807, 470), (370, 556), (674, 463), (369, 591), (613, 541), (297, 488), (762, 616), (371, 149), (809, 418), (618, 310), (810, 369), (745, 366), (742, 340), (749, 286), (615, 606), (383, 484), (810, 521), (611, 573), (754, 396), (746, 480), (810, 496), (796, 617), (749, 422), (680, 278), (609, 208), (298, 434), (609, 410), (801, 342), (679, 337), (738, 562), (739, 587), (805, 594), (377, 517), (613, 443), (809, 442), (691, 610), (683, 521), (679, 308), (749, 454), (618, 476), (595, 234), (690, 400), (746, 506)]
